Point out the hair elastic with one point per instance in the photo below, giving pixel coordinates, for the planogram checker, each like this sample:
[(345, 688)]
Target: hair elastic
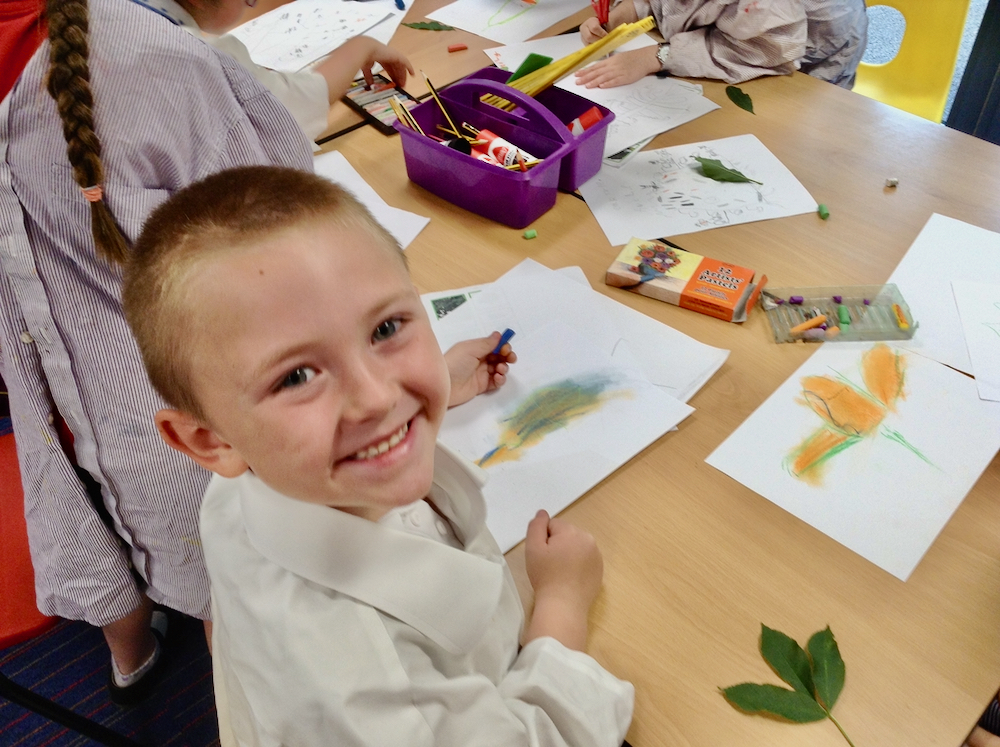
[(93, 194)]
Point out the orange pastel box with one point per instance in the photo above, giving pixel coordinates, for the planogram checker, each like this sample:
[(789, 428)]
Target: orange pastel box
[(654, 269)]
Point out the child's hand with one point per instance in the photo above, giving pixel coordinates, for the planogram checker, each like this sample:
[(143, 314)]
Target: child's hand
[(620, 69), (474, 369), (565, 570), (591, 30), (360, 53), (394, 63)]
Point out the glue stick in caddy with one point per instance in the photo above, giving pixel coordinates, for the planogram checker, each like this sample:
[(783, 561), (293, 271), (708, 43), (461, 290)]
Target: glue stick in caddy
[(504, 152)]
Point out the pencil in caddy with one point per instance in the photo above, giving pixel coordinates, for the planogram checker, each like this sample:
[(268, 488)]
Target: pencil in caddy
[(537, 126)]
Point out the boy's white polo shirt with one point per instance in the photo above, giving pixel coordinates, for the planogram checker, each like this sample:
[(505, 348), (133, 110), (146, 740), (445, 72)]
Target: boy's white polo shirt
[(392, 570), (330, 629)]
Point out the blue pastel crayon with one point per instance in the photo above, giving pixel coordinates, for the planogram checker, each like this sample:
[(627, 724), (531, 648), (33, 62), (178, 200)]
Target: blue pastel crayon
[(504, 339)]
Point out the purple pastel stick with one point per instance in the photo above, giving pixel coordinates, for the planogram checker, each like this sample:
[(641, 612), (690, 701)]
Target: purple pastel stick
[(838, 299), (797, 300)]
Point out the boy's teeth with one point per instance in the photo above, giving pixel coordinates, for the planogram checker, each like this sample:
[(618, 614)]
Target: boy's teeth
[(384, 446)]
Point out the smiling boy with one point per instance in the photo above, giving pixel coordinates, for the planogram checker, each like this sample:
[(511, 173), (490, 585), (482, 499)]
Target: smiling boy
[(358, 597)]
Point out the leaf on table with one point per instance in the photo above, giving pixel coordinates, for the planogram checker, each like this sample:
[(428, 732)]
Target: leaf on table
[(827, 667), (775, 701), (787, 659), (429, 26), (742, 100), (713, 169)]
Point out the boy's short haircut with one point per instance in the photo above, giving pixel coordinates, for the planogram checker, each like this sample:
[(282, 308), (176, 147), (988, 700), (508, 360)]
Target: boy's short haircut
[(227, 211)]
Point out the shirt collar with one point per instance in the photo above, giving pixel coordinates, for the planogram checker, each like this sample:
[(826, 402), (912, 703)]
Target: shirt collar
[(447, 594), (170, 10)]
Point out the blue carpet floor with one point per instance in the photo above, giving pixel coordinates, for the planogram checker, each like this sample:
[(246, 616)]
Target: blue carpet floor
[(69, 665)]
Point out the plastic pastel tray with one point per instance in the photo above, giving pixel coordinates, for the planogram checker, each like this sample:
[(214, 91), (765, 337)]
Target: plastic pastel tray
[(870, 308)]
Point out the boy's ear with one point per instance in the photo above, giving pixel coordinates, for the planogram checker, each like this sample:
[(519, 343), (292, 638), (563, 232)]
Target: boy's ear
[(190, 436)]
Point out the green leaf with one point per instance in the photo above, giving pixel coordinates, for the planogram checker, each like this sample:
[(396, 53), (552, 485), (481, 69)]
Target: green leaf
[(787, 659), (713, 169), (429, 26), (774, 701), (827, 667), (742, 100)]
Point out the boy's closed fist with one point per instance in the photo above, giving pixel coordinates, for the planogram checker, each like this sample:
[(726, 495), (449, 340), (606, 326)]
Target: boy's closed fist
[(565, 569)]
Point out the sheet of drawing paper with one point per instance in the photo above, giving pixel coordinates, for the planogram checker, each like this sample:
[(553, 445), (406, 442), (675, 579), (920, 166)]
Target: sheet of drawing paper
[(392, 17), (506, 21), (567, 419), (642, 109), (663, 192), (870, 444), (402, 224), (945, 250), (979, 307), (530, 296), (439, 304), (291, 36), (510, 56)]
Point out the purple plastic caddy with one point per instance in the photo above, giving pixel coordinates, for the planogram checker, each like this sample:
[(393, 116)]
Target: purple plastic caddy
[(514, 198), (585, 158)]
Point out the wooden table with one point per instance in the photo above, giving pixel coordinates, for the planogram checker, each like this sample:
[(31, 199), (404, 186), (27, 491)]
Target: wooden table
[(695, 562)]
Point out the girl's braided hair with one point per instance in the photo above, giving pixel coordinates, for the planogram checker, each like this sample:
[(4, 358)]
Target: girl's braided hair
[(69, 85)]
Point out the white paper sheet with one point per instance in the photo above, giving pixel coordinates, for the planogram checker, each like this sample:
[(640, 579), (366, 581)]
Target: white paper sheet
[(510, 56), (291, 36), (979, 308), (506, 21), (888, 494), (402, 224), (557, 372), (392, 17), (531, 296), (663, 193), (642, 109), (946, 250)]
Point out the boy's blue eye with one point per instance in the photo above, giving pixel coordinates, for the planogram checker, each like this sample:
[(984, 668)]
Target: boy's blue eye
[(386, 330), (299, 376)]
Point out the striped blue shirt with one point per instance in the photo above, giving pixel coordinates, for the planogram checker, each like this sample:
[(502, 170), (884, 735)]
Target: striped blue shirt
[(169, 110)]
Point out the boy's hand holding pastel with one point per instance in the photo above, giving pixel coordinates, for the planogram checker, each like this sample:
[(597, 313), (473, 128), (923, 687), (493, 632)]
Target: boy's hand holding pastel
[(474, 369), (565, 569), (395, 64)]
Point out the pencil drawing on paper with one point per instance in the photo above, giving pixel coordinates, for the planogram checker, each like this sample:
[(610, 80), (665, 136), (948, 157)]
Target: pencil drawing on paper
[(851, 414), (672, 186), (293, 37), (546, 410)]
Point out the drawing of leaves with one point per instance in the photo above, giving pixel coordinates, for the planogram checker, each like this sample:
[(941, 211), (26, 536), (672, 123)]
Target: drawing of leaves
[(713, 169)]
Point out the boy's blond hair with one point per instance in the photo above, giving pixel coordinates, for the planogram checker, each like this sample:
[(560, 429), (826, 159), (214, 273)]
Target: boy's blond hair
[(227, 211)]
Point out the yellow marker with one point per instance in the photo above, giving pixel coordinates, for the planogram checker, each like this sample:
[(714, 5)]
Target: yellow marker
[(817, 320), (900, 316)]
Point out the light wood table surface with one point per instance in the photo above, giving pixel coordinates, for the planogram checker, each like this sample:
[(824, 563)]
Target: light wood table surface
[(695, 562)]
